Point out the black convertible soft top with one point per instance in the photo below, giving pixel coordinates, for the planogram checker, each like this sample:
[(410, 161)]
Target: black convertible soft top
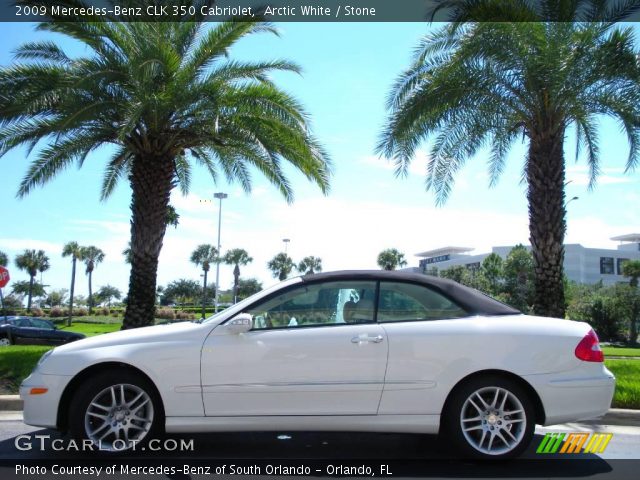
[(473, 301)]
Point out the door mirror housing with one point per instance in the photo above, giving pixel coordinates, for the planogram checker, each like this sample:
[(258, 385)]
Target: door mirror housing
[(241, 323)]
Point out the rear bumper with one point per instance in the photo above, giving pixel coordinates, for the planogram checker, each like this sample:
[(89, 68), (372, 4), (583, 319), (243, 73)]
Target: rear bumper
[(576, 395), (42, 410)]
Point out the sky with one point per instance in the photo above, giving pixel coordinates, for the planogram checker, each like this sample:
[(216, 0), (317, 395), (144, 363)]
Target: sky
[(348, 70)]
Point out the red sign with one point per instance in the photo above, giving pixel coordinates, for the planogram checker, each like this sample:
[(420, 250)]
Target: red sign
[(4, 276)]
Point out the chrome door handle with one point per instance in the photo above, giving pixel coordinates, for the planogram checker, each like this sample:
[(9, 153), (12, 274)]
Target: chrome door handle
[(367, 338)]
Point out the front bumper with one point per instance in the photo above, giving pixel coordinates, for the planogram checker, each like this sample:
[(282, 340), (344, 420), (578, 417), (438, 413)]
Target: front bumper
[(41, 410), (575, 395)]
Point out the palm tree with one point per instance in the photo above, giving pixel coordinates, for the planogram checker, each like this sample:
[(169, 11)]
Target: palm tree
[(204, 256), (173, 217), (32, 262), (310, 265), (166, 96), (390, 259), (488, 84), (108, 293), (91, 256), (631, 269), (126, 253), (281, 266), (237, 257), (73, 250), (4, 259)]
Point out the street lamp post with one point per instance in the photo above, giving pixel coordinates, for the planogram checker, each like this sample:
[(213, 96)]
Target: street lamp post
[(286, 244), (220, 196)]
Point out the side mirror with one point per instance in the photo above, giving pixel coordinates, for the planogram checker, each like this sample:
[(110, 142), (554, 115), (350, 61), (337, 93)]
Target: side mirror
[(241, 323)]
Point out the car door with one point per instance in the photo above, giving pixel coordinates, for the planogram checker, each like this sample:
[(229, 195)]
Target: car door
[(25, 333), (428, 337), (302, 356), (44, 332)]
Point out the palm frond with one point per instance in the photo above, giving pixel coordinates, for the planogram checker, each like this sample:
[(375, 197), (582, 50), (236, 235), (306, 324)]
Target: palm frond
[(117, 168)]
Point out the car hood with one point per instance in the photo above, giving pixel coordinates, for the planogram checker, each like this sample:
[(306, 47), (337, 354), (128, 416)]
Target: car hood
[(146, 335)]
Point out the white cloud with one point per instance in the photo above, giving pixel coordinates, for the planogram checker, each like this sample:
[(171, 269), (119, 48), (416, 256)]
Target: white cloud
[(17, 245), (579, 175), (100, 226), (193, 203)]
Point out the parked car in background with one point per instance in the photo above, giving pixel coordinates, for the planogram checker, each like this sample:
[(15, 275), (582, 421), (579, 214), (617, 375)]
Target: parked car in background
[(33, 331), (345, 351)]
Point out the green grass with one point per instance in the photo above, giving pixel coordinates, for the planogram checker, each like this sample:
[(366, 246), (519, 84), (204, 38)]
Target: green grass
[(91, 329), (627, 374), (16, 363), (87, 319), (621, 351)]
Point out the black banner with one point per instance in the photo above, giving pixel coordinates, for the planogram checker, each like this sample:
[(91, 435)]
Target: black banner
[(309, 10)]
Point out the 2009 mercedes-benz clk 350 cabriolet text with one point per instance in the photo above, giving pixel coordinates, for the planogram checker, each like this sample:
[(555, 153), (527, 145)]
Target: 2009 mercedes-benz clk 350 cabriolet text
[(348, 351)]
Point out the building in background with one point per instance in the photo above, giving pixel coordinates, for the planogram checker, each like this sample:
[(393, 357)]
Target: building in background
[(581, 264)]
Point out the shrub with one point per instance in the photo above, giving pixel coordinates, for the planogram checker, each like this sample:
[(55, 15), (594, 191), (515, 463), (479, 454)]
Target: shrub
[(166, 313), (185, 316), (37, 312), (104, 311), (80, 312), (115, 313), (57, 312), (602, 307)]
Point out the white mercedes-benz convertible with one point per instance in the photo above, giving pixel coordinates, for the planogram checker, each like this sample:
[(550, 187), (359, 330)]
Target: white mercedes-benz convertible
[(346, 351)]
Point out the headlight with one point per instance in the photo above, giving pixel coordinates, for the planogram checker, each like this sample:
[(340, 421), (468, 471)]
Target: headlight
[(44, 357)]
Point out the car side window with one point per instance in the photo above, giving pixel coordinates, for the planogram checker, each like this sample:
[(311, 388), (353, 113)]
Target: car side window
[(43, 324), (315, 305), (402, 302)]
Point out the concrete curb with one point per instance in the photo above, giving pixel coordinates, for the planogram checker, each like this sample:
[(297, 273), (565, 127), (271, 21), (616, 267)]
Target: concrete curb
[(10, 402), (615, 416), (619, 416)]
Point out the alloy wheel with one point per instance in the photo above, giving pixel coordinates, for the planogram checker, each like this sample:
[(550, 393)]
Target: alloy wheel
[(119, 417), (493, 420)]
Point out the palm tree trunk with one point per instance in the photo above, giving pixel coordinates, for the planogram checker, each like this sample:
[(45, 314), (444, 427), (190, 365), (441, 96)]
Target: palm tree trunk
[(633, 321), (31, 277), (545, 177), (236, 281), (151, 183), (90, 295), (204, 295), (73, 284)]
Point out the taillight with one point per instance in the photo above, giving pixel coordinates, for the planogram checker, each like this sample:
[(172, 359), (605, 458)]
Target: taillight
[(588, 349)]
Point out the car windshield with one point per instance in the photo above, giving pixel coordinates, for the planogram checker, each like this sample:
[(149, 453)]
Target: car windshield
[(240, 306)]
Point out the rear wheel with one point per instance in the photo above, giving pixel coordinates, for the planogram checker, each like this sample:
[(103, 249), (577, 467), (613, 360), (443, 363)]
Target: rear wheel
[(490, 417), (5, 342), (117, 411)]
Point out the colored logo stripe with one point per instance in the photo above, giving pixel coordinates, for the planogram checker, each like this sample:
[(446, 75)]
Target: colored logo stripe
[(550, 443), (573, 442), (598, 442)]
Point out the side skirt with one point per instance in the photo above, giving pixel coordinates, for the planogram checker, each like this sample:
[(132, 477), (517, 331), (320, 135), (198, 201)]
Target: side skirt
[(347, 423)]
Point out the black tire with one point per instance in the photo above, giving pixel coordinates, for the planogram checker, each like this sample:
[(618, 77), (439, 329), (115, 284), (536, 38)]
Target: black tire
[(476, 398), (84, 413)]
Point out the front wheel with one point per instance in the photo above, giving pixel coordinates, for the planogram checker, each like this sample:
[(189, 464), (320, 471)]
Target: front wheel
[(490, 418), (116, 411)]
